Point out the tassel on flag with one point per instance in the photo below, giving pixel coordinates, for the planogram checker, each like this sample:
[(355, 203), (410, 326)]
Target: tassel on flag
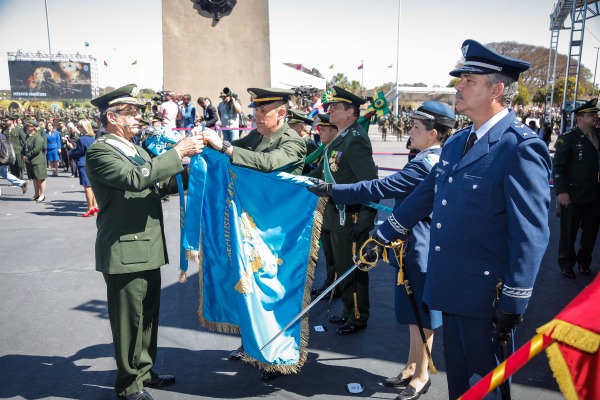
[(360, 66)]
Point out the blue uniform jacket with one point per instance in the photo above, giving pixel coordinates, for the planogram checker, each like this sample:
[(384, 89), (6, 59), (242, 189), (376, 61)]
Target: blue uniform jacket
[(489, 222), (78, 153), (397, 186)]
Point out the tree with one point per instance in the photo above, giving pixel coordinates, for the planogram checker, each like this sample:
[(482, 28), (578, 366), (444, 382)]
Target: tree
[(453, 82), (522, 98), (340, 80), (356, 87)]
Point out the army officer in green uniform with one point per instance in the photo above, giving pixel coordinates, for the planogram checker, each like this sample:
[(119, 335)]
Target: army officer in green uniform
[(576, 172), (348, 159), (130, 243), (17, 136), (273, 145)]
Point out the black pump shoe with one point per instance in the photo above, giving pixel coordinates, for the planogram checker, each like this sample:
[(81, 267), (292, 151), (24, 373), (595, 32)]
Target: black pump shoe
[(410, 393), (397, 381)]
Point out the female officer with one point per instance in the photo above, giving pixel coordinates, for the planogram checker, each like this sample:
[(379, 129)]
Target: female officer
[(433, 123), (35, 161)]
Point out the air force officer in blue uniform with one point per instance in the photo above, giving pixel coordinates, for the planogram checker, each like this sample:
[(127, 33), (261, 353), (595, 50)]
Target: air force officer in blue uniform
[(490, 197)]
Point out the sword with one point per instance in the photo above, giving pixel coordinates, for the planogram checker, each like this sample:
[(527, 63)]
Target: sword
[(311, 305), (413, 302)]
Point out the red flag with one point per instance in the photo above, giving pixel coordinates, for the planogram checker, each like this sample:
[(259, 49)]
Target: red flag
[(574, 358), (360, 66), (299, 67)]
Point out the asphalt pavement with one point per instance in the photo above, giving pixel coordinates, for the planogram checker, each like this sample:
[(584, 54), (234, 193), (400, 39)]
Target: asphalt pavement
[(55, 340)]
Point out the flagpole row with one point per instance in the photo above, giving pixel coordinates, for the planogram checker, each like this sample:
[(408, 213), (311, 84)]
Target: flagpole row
[(505, 370)]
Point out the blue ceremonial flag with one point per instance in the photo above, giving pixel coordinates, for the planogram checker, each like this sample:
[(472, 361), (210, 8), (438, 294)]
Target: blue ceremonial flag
[(256, 237)]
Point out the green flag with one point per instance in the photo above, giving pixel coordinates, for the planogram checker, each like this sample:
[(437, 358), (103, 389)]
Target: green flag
[(134, 63), (87, 44), (331, 66)]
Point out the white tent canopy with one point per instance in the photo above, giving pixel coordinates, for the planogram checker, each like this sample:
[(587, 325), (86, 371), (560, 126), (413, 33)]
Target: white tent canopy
[(285, 77)]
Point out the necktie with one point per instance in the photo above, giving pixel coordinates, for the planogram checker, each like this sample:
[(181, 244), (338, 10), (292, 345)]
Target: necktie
[(470, 142)]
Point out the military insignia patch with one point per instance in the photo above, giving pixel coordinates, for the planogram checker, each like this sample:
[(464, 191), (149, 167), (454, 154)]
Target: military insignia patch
[(145, 172)]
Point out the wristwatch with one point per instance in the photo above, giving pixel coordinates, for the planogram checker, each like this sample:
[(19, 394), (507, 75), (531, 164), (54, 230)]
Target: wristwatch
[(226, 145)]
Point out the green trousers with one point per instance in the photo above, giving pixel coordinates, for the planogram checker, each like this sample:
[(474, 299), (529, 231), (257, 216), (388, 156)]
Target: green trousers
[(337, 247), (133, 306)]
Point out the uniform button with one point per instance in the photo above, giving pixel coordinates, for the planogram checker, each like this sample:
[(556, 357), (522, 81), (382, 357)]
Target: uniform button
[(435, 189), (474, 186), (444, 202), (438, 225), (450, 179), (438, 248), (486, 273)]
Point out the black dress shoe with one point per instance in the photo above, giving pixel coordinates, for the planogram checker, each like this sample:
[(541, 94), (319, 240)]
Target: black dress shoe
[(349, 329), (338, 319), (266, 376), (397, 381), (141, 395), (410, 393), (237, 354), (568, 272), (584, 270), (160, 381)]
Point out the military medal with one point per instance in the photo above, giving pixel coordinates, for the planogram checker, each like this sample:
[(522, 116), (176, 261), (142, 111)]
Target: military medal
[(333, 161)]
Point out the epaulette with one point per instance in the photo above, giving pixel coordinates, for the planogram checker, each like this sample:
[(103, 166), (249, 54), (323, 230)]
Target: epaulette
[(523, 130), (429, 156)]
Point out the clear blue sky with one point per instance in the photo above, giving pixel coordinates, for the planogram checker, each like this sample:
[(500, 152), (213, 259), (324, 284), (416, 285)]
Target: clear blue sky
[(314, 33)]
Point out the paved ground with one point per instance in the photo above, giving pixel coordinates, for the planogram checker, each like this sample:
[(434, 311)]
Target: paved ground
[(55, 339)]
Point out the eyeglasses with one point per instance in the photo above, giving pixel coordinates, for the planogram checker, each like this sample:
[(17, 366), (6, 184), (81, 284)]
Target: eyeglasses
[(129, 111)]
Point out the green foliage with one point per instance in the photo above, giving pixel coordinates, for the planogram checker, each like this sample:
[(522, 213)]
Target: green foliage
[(522, 98)]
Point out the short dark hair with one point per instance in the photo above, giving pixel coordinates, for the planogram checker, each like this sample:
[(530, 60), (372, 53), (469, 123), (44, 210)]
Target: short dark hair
[(356, 108)]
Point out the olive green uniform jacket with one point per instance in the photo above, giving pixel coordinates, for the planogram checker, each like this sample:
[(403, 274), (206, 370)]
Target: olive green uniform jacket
[(576, 166), (283, 151), (17, 137), (350, 158), (36, 167), (130, 234)]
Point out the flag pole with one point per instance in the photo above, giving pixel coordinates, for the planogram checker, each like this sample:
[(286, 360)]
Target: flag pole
[(48, 29), (397, 56), (362, 76), (505, 370)]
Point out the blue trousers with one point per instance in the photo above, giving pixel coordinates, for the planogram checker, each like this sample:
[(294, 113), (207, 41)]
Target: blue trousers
[(470, 350)]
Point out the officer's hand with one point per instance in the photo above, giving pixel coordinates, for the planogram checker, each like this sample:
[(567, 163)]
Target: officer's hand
[(358, 229), (189, 146), (564, 199), (212, 139), (320, 188), (373, 250), (504, 323)]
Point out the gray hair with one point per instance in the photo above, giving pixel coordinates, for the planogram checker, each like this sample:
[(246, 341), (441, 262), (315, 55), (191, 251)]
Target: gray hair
[(511, 87)]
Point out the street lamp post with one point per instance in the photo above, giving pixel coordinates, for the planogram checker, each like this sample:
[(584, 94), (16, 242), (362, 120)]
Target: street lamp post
[(595, 69)]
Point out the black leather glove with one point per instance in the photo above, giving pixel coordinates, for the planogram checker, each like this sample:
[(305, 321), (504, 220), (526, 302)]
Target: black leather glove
[(320, 188), (504, 323), (373, 250), (358, 229)]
